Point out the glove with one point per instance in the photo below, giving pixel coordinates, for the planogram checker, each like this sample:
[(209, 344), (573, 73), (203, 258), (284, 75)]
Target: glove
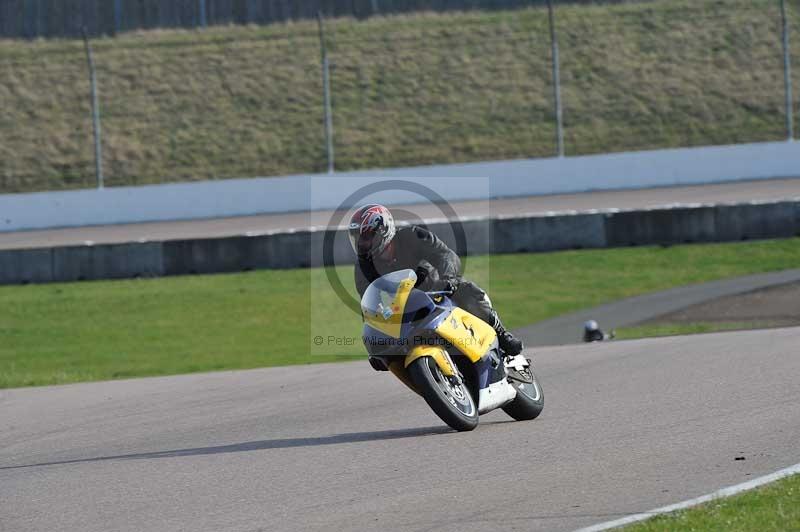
[(429, 281), (445, 285), (425, 271), (452, 284)]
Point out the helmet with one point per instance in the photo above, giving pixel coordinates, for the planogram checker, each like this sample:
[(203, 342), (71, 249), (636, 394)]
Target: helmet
[(371, 229), (590, 325)]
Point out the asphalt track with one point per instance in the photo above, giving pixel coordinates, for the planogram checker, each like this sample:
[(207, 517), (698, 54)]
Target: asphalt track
[(765, 190), (628, 426)]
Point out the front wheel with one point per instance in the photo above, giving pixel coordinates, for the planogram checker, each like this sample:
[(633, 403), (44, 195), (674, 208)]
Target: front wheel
[(447, 396), (530, 398)]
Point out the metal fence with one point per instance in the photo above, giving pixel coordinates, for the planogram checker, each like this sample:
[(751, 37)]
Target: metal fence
[(59, 18), (395, 91)]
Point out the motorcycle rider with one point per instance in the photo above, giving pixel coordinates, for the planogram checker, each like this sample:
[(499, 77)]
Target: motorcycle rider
[(593, 333), (382, 248)]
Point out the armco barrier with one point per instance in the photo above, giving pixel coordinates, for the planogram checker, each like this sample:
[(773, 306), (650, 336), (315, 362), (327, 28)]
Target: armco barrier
[(26, 266), (210, 255), (301, 249), (113, 261), (548, 233), (661, 226), (751, 221)]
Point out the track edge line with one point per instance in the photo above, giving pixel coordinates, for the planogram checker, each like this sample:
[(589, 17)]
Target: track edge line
[(719, 494)]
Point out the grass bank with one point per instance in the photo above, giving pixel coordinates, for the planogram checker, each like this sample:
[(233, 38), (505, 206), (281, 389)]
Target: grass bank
[(62, 333), (675, 329), (770, 508), (407, 90)]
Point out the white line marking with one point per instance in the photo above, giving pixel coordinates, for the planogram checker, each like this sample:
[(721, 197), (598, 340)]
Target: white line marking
[(724, 492)]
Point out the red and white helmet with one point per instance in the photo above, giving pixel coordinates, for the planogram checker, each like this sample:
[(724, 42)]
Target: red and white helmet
[(371, 229)]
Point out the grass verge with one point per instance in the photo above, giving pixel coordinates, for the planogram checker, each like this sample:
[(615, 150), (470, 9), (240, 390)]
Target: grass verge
[(410, 89), (700, 327), (60, 333), (774, 507)]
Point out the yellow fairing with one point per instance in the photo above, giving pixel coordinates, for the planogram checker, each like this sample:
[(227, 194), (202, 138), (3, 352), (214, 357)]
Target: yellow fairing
[(436, 353), (391, 325), (470, 334)]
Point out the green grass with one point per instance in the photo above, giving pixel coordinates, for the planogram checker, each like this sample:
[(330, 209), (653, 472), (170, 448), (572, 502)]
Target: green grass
[(61, 333), (775, 507), (674, 329), (410, 89)]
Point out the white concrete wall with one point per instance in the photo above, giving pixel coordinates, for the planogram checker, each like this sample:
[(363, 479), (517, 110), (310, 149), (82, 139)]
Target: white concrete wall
[(237, 197)]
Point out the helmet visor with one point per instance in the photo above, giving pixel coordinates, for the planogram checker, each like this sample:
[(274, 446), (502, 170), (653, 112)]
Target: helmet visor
[(366, 243)]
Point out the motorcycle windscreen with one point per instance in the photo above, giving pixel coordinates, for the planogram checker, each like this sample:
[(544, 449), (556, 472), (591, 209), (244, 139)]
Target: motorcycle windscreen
[(384, 301)]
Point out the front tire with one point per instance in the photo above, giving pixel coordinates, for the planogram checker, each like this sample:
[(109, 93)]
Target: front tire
[(448, 398), (529, 402)]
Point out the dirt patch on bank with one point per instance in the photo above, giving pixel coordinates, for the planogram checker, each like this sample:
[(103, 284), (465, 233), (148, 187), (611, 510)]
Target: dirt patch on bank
[(777, 306)]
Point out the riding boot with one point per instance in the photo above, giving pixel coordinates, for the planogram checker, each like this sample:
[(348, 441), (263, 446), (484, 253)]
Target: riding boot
[(510, 344)]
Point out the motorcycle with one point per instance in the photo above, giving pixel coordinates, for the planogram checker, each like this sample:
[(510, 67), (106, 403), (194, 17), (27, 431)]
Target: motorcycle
[(446, 355)]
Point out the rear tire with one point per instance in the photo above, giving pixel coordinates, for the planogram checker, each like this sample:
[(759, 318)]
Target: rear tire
[(529, 402), (453, 403)]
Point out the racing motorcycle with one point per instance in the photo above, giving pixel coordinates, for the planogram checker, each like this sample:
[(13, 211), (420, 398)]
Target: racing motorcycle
[(446, 355)]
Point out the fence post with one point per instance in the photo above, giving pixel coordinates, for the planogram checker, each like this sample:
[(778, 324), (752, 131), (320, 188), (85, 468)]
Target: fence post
[(29, 23), (117, 16), (556, 80), (326, 88), (201, 6), (98, 149), (787, 74), (39, 17)]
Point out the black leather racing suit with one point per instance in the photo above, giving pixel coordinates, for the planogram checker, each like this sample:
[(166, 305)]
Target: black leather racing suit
[(411, 246)]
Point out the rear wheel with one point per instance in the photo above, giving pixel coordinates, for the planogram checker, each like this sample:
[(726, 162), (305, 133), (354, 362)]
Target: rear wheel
[(530, 398), (447, 396)]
